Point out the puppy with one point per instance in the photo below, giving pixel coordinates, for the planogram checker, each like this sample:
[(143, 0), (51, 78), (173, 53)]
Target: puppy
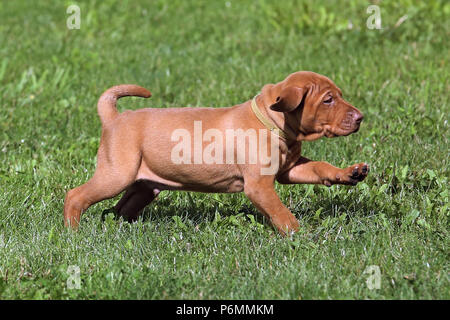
[(246, 148)]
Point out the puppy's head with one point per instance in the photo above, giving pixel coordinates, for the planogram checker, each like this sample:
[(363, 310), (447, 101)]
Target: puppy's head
[(312, 106)]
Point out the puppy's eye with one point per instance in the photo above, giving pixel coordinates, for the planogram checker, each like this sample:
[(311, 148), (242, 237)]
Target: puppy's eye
[(328, 100)]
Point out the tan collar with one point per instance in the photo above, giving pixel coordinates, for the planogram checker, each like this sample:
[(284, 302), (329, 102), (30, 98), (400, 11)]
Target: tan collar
[(267, 122)]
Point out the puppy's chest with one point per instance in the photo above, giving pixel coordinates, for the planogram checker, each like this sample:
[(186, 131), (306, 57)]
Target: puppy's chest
[(290, 156)]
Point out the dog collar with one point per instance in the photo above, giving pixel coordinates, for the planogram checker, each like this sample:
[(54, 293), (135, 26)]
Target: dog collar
[(266, 122)]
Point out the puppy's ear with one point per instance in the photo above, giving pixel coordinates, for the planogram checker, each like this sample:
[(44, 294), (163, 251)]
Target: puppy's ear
[(289, 99)]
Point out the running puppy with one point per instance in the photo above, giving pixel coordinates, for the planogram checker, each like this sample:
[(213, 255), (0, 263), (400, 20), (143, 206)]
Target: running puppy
[(149, 150)]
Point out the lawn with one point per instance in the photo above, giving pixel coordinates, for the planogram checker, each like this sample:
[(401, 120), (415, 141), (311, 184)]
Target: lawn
[(216, 246)]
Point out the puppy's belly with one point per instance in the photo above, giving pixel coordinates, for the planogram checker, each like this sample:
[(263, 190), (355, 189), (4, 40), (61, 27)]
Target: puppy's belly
[(199, 178)]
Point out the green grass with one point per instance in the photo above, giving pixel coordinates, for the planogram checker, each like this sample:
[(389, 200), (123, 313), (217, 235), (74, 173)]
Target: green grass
[(207, 246)]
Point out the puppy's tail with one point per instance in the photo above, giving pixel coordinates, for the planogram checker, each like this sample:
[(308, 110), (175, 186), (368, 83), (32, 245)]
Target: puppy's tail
[(106, 106)]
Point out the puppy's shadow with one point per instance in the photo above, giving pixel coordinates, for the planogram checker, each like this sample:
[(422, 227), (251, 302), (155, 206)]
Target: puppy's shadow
[(197, 207), (202, 208)]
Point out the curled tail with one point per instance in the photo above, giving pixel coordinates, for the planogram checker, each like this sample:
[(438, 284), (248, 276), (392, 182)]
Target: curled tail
[(106, 106)]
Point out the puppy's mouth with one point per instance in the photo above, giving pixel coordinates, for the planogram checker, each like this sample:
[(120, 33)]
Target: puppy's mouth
[(332, 132)]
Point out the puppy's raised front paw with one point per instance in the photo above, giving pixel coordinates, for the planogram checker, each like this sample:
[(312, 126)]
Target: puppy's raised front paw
[(353, 174)]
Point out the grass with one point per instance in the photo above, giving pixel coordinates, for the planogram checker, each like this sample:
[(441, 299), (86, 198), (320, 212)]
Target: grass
[(218, 53)]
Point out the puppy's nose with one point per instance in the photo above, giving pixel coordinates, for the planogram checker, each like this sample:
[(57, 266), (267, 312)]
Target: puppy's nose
[(358, 117)]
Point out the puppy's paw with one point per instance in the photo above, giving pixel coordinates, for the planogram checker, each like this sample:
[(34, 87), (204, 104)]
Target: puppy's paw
[(287, 225), (353, 174), (108, 211)]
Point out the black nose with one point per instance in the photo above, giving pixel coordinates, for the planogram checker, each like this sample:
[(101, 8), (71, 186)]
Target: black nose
[(358, 117)]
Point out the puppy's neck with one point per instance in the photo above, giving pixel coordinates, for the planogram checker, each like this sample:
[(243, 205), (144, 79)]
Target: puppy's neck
[(293, 133)]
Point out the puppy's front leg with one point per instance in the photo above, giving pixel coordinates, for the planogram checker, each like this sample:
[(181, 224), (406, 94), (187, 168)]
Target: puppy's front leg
[(262, 194), (317, 172)]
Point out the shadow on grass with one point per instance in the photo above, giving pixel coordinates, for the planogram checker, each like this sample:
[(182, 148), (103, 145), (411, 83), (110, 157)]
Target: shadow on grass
[(201, 208)]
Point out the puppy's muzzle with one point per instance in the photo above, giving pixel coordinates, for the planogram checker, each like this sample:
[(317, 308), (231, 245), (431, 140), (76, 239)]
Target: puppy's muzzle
[(357, 118), (351, 122)]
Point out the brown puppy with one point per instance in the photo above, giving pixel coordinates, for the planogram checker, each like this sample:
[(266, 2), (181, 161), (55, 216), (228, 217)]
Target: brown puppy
[(194, 149)]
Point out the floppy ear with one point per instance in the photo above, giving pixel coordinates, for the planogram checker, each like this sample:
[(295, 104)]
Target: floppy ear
[(289, 99)]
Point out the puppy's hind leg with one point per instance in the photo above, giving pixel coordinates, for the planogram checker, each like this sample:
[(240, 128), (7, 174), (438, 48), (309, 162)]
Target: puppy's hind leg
[(108, 181), (135, 199)]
